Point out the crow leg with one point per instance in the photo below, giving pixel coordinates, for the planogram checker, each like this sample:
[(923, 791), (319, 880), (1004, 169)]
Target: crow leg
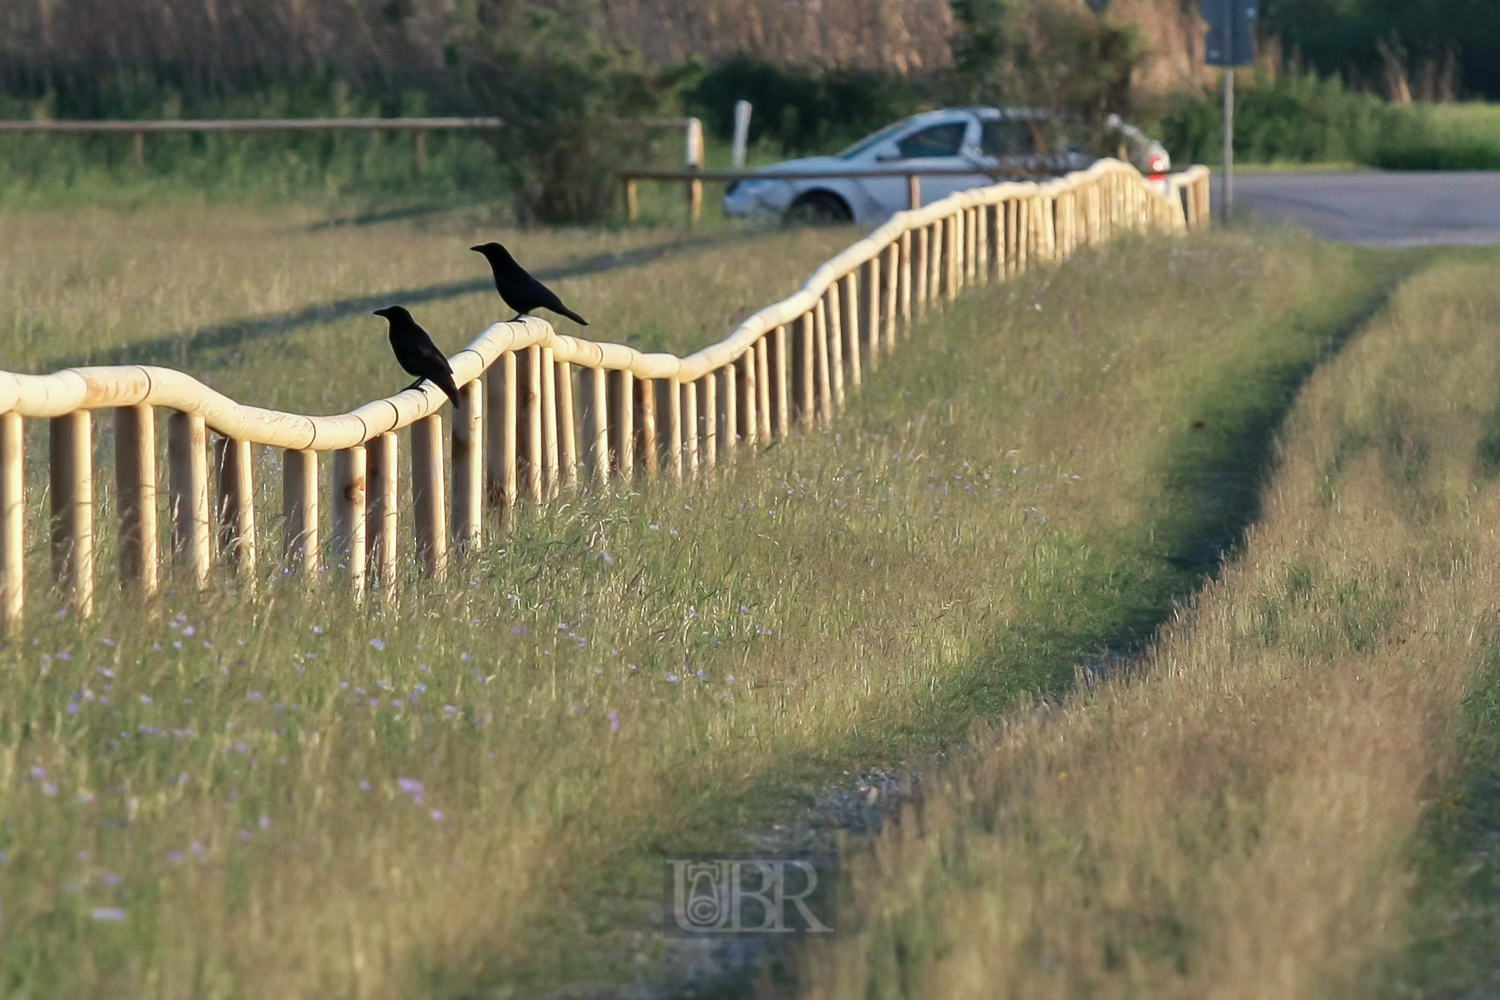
[(418, 382)]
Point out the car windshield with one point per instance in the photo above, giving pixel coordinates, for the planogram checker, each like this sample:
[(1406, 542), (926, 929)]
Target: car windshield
[(873, 140)]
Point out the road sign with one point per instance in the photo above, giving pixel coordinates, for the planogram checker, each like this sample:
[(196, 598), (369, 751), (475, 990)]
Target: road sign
[(1231, 31)]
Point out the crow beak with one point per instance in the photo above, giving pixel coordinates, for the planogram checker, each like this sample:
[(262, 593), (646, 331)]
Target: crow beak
[(478, 249)]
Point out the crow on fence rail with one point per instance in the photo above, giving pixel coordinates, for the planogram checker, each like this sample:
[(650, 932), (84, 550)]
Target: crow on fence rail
[(518, 288), (416, 352)]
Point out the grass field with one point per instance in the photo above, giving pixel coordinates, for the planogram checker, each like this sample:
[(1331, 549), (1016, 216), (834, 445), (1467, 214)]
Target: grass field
[(1248, 810), (294, 288), (467, 794)]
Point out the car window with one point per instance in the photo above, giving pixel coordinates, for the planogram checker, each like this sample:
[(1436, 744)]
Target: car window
[(939, 140), (872, 140), (1008, 138)]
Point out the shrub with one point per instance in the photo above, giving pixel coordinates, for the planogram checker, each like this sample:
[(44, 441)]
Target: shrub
[(797, 110), (1308, 119), (1045, 53), (568, 103)]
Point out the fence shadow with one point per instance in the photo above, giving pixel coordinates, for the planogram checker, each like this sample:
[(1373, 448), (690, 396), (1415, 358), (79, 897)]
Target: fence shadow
[(175, 349)]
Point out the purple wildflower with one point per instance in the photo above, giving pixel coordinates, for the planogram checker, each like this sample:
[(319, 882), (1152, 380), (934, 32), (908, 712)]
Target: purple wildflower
[(412, 787)]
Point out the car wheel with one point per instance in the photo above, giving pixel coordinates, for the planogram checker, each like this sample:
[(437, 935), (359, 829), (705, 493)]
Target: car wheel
[(819, 208)]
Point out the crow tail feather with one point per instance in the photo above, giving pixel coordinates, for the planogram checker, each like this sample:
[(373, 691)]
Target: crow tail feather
[(565, 311)]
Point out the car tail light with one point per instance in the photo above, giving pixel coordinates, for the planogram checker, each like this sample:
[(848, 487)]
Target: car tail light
[(1160, 164)]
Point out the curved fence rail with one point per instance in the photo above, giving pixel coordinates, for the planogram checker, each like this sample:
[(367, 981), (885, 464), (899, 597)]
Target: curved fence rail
[(541, 411)]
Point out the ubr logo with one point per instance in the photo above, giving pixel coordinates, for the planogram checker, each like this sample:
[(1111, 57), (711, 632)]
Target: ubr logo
[(781, 894)]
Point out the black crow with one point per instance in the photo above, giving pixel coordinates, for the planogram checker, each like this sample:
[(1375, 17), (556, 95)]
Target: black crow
[(518, 288), (416, 352)]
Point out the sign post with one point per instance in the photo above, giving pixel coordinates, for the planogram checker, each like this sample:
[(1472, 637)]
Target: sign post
[(1230, 42)]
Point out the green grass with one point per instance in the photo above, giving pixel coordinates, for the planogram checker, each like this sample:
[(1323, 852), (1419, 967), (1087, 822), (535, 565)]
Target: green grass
[(1246, 810), (1025, 485)]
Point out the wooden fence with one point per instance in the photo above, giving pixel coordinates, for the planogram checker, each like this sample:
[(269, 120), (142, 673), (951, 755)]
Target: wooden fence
[(542, 412), (419, 127)]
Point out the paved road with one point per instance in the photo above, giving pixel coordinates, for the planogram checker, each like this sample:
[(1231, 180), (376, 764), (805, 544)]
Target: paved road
[(1378, 209)]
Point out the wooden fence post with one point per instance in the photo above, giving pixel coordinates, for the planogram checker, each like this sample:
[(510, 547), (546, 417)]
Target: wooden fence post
[(693, 160), (873, 317), (913, 191), (427, 495), (690, 425), (550, 458), (940, 259), (620, 389), (781, 381), (833, 335), (1023, 234), (747, 428), (187, 482), (236, 507), (1049, 228), (382, 515), (823, 380), (1007, 262), (468, 468), (804, 373), (529, 421), (897, 287), (299, 509), (71, 466), (853, 343), (594, 413), (981, 270), (12, 521), (763, 390), (567, 430), (647, 438), (135, 481), (349, 506), (920, 268), (957, 239), (500, 410), (995, 231), (671, 394), (729, 410), (708, 419)]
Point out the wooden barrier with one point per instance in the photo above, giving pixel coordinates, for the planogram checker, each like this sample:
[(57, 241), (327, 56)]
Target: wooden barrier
[(528, 429)]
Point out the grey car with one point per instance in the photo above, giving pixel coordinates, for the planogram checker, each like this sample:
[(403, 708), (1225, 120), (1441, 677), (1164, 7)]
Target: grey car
[(972, 146)]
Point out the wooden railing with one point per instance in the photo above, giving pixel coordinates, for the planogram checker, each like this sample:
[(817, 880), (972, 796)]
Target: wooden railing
[(542, 412), (419, 127)]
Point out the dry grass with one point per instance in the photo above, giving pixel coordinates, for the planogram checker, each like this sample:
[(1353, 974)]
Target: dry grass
[(626, 674), (260, 286), (1235, 816)]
